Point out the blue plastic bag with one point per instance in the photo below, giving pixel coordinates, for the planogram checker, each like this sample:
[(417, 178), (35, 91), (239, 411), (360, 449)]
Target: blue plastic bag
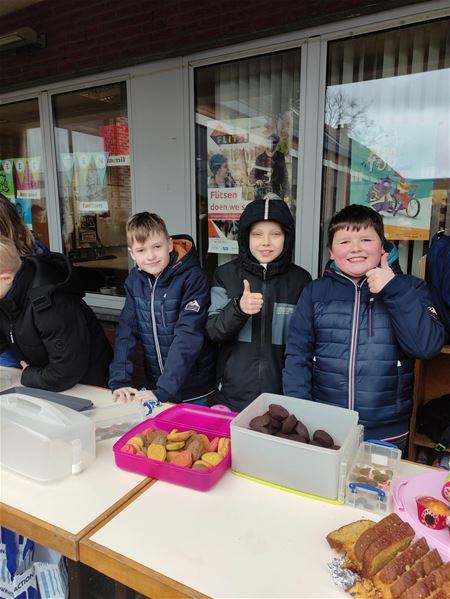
[(17, 575)]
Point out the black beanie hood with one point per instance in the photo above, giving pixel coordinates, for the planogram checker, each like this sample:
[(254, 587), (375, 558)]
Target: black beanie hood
[(272, 207)]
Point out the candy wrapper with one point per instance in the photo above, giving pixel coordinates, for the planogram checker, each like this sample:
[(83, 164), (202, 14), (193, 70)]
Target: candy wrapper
[(342, 577)]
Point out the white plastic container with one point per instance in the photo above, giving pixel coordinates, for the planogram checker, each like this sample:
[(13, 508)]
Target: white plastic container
[(302, 467), (42, 440)]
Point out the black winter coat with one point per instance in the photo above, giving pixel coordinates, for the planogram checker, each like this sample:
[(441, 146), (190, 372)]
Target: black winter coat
[(44, 319), (251, 353)]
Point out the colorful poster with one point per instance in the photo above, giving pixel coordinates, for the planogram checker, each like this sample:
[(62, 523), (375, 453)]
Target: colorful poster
[(115, 142), (90, 187), (247, 158), (23, 206), (7, 179), (404, 202)]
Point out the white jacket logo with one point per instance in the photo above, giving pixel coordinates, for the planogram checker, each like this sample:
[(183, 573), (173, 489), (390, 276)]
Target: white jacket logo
[(193, 306)]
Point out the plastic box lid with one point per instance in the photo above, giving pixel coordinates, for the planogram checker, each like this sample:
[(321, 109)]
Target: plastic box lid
[(59, 441), (213, 422)]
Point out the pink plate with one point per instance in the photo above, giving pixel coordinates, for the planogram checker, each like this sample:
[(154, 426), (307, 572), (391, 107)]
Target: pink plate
[(404, 493)]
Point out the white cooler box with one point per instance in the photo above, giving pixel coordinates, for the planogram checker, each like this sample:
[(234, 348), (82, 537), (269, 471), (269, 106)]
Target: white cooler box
[(298, 466), (43, 440)]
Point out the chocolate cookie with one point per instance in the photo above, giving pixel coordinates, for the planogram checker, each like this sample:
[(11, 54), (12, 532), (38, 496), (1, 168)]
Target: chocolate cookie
[(298, 438), (289, 424), (262, 429), (278, 412), (259, 421), (323, 438), (301, 429), (275, 424)]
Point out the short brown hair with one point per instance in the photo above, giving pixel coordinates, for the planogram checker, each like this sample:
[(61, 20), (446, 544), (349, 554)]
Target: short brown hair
[(9, 256), (143, 224), (354, 218)]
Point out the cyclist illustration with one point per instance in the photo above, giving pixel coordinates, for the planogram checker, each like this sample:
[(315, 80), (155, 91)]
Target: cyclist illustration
[(386, 196)]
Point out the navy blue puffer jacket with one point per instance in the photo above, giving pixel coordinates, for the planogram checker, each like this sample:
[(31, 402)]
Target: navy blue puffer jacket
[(351, 348), (168, 315)]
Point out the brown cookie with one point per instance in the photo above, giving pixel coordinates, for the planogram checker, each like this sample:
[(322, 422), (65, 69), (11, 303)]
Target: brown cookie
[(275, 424), (262, 429), (160, 438), (323, 438), (278, 412), (259, 421), (298, 438), (289, 424), (282, 435), (197, 449), (335, 447), (301, 429)]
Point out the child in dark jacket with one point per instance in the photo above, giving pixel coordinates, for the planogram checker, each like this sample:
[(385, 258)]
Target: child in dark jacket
[(252, 300), (44, 319), (356, 330), (166, 306)]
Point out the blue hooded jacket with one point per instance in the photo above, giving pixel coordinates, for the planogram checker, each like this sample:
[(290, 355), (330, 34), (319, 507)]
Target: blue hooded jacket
[(354, 349), (168, 314)]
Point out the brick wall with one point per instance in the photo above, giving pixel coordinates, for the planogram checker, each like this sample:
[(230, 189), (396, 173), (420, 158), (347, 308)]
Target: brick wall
[(88, 36)]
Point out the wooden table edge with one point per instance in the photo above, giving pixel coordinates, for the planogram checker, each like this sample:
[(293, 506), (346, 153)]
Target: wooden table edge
[(132, 574), (57, 538)]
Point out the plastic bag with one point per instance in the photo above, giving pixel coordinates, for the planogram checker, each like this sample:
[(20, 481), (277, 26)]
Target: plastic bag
[(17, 575), (51, 572)]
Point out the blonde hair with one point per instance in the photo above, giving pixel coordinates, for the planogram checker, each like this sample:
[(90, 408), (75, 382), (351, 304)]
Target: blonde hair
[(143, 224), (9, 256), (13, 227)]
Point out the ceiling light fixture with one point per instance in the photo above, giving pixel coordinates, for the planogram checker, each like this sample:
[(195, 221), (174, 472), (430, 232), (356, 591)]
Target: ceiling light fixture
[(23, 36)]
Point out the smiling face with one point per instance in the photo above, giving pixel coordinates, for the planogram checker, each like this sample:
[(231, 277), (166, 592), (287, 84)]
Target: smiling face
[(356, 252), (152, 255), (266, 240)]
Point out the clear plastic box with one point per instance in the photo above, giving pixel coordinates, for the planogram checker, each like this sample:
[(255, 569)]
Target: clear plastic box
[(301, 467), (43, 440), (369, 482)]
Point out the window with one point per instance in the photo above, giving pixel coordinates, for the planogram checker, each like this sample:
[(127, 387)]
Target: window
[(21, 164), (93, 163), (247, 122), (387, 132)]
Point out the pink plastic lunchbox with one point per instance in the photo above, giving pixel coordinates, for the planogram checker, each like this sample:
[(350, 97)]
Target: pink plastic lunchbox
[(213, 422)]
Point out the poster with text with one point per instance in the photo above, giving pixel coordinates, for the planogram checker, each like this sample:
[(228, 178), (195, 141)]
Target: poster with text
[(403, 200), (247, 158)]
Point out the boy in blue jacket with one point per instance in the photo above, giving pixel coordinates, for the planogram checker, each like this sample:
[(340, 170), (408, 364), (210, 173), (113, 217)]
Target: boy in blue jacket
[(356, 331), (166, 306)]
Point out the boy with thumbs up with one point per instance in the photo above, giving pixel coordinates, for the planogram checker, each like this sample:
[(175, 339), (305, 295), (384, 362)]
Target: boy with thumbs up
[(252, 300), (356, 330)]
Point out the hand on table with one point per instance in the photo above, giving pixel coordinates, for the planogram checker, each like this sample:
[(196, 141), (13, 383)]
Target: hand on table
[(124, 394)]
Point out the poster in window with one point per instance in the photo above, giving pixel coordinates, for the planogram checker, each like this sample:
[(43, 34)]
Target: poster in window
[(90, 188), (247, 158), (7, 179), (403, 201)]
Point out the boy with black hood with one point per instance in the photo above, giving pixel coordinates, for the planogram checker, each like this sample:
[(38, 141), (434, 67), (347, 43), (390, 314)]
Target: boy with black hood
[(252, 300), (44, 319)]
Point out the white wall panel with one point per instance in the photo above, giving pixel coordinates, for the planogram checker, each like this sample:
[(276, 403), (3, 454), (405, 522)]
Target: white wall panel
[(158, 131)]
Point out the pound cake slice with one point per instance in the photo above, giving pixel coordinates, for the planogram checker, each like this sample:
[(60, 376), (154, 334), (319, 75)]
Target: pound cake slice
[(398, 565), (370, 535), (386, 547), (423, 567), (344, 538), (433, 582)]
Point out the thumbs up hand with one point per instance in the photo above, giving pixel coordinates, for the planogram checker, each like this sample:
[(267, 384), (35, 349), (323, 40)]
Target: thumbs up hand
[(250, 303), (378, 277)]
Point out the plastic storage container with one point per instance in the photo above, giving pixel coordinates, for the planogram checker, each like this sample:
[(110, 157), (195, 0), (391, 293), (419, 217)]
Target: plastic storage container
[(369, 483), (298, 466), (213, 422), (43, 440)]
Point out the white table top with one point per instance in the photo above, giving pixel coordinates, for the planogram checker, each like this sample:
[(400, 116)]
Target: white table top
[(74, 502), (241, 539)]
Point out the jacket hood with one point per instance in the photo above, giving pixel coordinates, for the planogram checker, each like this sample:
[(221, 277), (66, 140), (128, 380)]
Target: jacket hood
[(40, 277), (272, 207), (52, 272), (389, 247)]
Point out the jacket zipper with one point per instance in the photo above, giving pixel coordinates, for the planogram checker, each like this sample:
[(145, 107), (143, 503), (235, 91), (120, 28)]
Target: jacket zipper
[(154, 329), (263, 326), (163, 315), (351, 364)]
